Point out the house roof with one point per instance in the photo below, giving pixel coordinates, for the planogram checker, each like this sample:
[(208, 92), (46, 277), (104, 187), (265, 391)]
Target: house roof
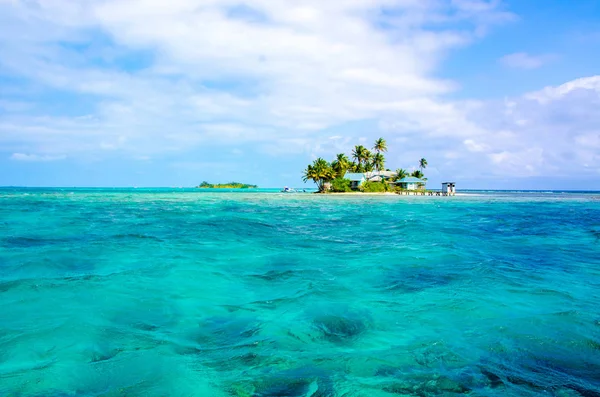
[(387, 174), (378, 176), (355, 176), (411, 179)]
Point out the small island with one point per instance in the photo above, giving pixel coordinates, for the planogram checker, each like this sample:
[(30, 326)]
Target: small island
[(366, 173), (230, 185)]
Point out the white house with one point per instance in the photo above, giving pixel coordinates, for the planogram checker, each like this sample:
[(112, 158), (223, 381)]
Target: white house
[(356, 179), (449, 188), (378, 176), (411, 183)]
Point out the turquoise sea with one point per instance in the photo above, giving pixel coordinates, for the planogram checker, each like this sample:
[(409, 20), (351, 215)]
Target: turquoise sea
[(181, 292)]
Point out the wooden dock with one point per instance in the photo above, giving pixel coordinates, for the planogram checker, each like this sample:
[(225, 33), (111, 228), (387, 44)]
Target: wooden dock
[(423, 193)]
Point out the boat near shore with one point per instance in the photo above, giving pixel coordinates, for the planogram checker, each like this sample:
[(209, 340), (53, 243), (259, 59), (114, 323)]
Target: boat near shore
[(292, 190)]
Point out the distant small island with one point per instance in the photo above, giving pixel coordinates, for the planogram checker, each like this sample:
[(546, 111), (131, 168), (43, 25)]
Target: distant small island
[(230, 185)]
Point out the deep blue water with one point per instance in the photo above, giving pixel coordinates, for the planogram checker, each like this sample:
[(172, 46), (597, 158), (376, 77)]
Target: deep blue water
[(180, 292)]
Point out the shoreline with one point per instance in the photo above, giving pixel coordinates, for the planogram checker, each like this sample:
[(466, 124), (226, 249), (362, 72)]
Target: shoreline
[(359, 194), (382, 194)]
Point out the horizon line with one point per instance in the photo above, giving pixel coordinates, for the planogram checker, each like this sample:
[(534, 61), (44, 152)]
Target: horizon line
[(195, 187)]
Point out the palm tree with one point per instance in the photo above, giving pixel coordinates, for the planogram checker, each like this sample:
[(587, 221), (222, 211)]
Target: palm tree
[(379, 161), (418, 174), (368, 156), (422, 164), (401, 173), (341, 164), (343, 159), (359, 153), (380, 145), (319, 172), (335, 166)]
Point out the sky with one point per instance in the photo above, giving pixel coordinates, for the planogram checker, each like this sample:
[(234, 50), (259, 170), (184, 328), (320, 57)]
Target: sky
[(495, 94)]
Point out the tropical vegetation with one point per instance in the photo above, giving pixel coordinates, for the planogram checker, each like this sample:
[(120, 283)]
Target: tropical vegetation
[(320, 172), (401, 173), (418, 174), (380, 145), (230, 185), (340, 165), (374, 187), (422, 164), (340, 185), (330, 175)]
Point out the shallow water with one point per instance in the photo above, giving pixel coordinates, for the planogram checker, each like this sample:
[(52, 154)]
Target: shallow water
[(188, 293)]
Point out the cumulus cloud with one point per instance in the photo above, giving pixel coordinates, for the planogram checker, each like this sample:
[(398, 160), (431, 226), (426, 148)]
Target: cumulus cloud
[(523, 60), (150, 77), (167, 76), (554, 131), (582, 85)]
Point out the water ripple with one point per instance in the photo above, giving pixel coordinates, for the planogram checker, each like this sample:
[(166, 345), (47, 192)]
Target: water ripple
[(158, 292)]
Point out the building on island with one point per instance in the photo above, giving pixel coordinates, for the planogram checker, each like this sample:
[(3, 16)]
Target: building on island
[(378, 176), (411, 183), (356, 179), (449, 188)]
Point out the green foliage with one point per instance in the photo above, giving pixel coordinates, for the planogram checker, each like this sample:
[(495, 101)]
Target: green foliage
[(355, 167), (380, 145), (340, 185), (230, 185), (418, 174), (368, 157), (374, 187), (360, 154), (378, 161), (319, 172), (401, 173), (340, 165)]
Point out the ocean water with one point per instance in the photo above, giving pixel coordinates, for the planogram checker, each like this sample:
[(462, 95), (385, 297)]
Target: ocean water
[(160, 292)]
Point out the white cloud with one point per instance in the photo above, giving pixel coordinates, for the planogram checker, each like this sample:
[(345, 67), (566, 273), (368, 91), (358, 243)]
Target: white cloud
[(473, 146), (523, 60), (35, 157), (284, 77), (270, 68), (549, 94), (554, 131)]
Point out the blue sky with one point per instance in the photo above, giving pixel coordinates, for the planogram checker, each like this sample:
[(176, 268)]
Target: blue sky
[(495, 94)]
